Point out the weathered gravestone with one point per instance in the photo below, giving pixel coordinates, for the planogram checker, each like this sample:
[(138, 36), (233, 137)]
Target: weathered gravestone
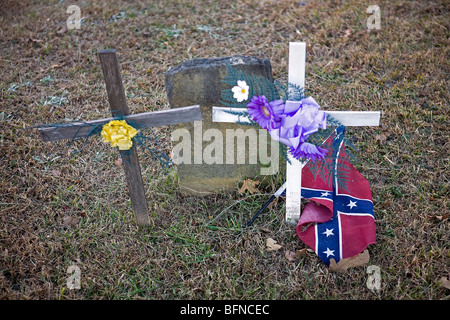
[(200, 82)]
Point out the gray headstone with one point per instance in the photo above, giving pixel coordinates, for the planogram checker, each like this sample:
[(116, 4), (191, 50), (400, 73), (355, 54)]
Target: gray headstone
[(199, 82)]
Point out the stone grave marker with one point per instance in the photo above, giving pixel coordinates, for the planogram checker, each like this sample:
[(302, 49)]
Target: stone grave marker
[(199, 82)]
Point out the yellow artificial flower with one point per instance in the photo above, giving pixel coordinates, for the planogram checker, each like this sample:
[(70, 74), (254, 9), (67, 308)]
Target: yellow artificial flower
[(119, 133)]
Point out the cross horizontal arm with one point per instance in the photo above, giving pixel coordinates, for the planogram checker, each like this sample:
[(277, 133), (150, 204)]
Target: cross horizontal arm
[(347, 118), (148, 119), (356, 118)]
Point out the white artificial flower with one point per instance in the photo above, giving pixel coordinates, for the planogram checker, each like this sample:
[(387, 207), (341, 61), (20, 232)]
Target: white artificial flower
[(240, 91)]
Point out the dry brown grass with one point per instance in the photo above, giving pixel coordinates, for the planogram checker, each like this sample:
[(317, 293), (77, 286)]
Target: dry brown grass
[(401, 70)]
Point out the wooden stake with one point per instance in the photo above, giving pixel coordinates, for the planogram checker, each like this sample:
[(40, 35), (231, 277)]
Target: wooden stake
[(118, 105)]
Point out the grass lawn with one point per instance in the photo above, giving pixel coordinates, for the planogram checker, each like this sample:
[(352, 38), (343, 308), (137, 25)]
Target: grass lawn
[(59, 209)]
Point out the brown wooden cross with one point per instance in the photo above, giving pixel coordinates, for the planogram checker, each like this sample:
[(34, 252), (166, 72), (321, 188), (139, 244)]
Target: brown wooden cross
[(118, 106)]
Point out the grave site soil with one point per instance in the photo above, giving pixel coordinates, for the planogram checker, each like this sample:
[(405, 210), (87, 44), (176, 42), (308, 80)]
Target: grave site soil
[(59, 209)]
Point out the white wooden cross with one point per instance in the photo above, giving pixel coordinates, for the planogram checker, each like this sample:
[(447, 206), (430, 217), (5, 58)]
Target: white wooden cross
[(296, 76)]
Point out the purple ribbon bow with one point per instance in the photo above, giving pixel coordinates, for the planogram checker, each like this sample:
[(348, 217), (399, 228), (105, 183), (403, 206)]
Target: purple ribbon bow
[(291, 123)]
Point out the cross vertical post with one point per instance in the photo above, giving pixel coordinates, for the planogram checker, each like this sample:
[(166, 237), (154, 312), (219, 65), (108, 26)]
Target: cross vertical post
[(296, 76), (118, 106)]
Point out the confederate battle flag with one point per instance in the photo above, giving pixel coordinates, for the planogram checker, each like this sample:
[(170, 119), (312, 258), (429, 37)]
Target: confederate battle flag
[(338, 222)]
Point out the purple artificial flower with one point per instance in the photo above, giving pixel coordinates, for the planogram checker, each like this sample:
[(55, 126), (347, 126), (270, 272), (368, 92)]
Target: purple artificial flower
[(309, 151), (267, 115)]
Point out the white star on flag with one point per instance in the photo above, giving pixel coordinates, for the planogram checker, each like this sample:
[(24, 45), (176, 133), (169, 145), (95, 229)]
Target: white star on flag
[(352, 204), (329, 232), (329, 252), (325, 194)]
